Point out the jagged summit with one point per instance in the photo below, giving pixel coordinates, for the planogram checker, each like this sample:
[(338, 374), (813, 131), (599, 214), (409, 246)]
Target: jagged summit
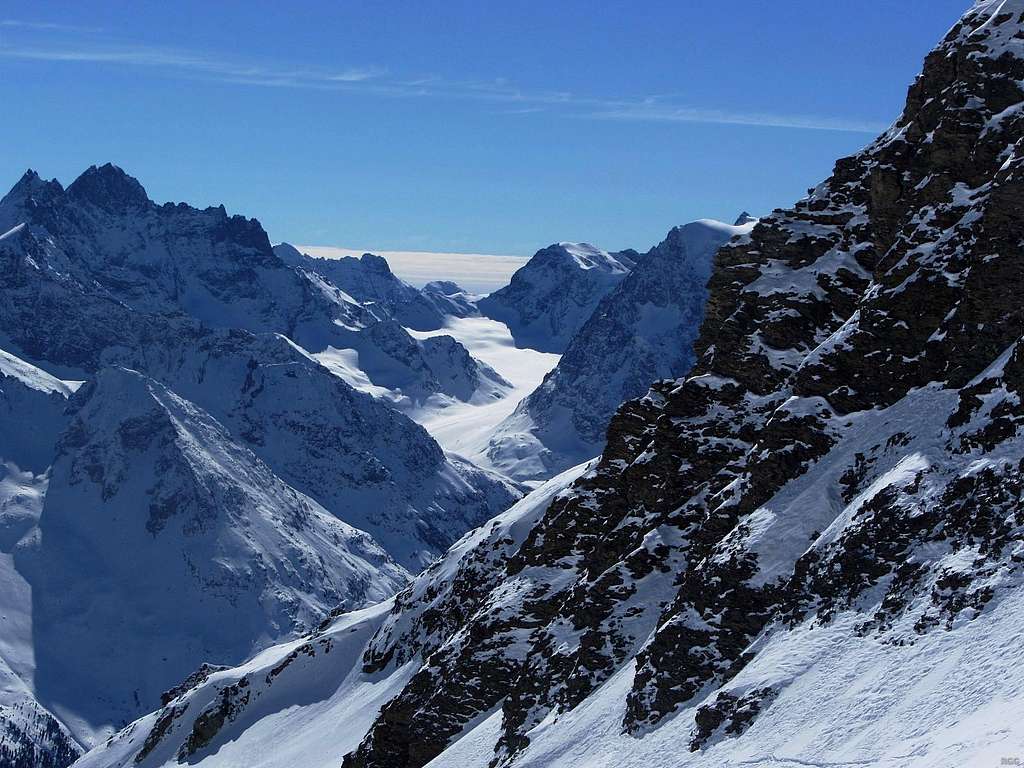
[(289, 254), (375, 263), (744, 218), (107, 186), (550, 297), (32, 187)]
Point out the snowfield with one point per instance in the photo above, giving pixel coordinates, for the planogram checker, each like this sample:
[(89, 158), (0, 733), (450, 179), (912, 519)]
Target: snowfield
[(466, 428)]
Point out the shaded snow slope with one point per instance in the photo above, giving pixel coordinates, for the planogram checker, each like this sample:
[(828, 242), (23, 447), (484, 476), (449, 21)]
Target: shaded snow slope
[(32, 416), (180, 545), (311, 701)]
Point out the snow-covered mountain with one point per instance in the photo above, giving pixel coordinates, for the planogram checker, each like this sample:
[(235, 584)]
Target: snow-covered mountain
[(451, 299), (181, 545), (551, 296), (363, 461), (642, 331), (104, 236), (807, 552), (385, 360), (368, 279), (212, 487)]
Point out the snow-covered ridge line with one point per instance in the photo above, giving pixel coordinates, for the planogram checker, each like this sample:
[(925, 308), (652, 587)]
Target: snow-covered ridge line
[(34, 377)]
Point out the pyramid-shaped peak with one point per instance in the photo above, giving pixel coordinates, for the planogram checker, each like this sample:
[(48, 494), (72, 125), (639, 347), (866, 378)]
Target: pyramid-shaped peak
[(109, 187), (31, 185), (375, 263), (744, 218)]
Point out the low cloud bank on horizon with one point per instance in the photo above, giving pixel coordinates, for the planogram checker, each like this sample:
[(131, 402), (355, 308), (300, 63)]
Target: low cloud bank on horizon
[(476, 272)]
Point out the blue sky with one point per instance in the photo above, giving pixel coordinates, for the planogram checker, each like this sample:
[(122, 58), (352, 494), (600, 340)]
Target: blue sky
[(477, 127)]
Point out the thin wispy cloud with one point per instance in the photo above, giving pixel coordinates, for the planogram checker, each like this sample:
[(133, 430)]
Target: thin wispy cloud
[(645, 113), (38, 25), (376, 80), (172, 60)]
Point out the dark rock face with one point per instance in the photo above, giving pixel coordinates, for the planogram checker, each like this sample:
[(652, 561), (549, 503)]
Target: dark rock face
[(107, 186), (859, 353)]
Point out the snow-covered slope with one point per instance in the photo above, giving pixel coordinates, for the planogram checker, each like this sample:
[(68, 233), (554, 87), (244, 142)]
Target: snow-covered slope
[(311, 701), (450, 299), (808, 551), (32, 416), (384, 359), (552, 295), (179, 544), (642, 331)]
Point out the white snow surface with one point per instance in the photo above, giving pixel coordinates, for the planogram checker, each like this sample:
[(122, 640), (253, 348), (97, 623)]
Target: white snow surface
[(466, 427), (34, 377), (946, 702)]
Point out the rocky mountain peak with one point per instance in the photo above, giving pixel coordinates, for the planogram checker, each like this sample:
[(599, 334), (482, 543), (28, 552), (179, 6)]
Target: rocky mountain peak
[(289, 254), (110, 188), (31, 188), (444, 287), (375, 263), (550, 297), (744, 218)]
